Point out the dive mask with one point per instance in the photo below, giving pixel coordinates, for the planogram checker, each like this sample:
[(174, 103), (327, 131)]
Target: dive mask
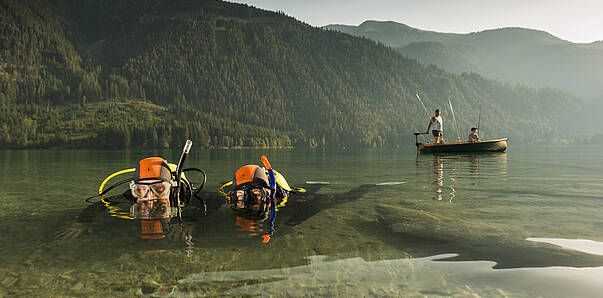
[(252, 198), (140, 190)]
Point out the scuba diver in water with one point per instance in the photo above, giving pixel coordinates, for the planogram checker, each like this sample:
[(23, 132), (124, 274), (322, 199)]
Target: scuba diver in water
[(159, 196), (258, 194), (255, 194)]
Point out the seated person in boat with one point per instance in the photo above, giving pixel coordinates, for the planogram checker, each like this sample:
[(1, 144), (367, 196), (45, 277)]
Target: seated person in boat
[(473, 135), (435, 123)]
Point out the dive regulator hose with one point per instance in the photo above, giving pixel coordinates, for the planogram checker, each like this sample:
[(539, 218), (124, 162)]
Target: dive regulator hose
[(196, 193), (187, 148)]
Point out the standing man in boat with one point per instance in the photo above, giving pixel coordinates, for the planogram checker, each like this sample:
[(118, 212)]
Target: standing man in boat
[(435, 123)]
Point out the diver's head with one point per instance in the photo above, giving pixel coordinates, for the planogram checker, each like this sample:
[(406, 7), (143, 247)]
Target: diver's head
[(251, 192), (152, 168), (251, 174), (151, 189)]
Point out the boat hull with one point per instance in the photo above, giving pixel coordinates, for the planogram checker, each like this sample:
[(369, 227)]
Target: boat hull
[(498, 145)]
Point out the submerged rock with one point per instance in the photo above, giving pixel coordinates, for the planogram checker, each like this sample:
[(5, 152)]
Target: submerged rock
[(9, 281), (67, 275), (99, 268), (78, 286), (149, 282), (508, 246), (165, 291), (354, 277)]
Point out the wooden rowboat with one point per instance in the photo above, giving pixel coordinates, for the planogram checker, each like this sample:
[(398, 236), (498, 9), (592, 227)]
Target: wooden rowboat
[(497, 145)]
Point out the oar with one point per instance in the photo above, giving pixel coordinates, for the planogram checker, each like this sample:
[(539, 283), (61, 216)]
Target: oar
[(424, 108), (479, 119), (454, 118)]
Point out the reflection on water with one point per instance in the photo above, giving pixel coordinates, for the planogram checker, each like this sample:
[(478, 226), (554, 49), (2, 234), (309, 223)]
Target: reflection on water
[(438, 173), (474, 165), (446, 169)]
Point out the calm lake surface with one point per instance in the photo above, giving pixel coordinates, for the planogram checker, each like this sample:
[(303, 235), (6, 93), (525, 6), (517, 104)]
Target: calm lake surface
[(523, 223)]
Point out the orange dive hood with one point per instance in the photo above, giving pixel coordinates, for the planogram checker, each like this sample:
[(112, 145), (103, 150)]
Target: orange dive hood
[(251, 173), (152, 168)]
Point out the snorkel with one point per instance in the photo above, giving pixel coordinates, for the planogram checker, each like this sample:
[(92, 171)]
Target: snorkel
[(272, 178), (185, 151)]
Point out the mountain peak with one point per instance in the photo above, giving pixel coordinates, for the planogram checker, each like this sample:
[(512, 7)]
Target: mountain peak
[(386, 25), (376, 22), (596, 44), (525, 35)]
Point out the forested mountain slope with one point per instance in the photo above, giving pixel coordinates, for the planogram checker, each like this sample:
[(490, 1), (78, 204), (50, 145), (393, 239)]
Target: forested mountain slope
[(115, 74)]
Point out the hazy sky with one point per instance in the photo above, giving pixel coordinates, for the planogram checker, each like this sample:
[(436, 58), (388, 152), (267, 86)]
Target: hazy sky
[(576, 21)]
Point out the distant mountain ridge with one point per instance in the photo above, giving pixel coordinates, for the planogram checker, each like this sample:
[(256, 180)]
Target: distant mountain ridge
[(398, 35), (516, 55), (596, 44)]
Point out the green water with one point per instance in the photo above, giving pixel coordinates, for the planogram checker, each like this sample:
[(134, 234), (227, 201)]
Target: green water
[(460, 229)]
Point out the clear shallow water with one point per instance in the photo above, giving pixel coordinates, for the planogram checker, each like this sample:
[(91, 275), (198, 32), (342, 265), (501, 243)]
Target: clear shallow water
[(450, 225)]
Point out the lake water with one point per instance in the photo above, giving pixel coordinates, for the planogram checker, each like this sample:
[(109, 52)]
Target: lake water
[(523, 223)]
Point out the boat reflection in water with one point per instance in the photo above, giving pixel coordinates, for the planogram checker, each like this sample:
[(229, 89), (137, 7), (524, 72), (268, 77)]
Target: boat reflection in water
[(438, 175), (447, 169)]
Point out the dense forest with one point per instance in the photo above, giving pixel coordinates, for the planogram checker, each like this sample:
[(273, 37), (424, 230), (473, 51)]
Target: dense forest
[(516, 55), (148, 74)]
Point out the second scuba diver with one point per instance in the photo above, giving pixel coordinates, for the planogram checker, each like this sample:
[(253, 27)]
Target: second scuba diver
[(255, 194), (256, 198)]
